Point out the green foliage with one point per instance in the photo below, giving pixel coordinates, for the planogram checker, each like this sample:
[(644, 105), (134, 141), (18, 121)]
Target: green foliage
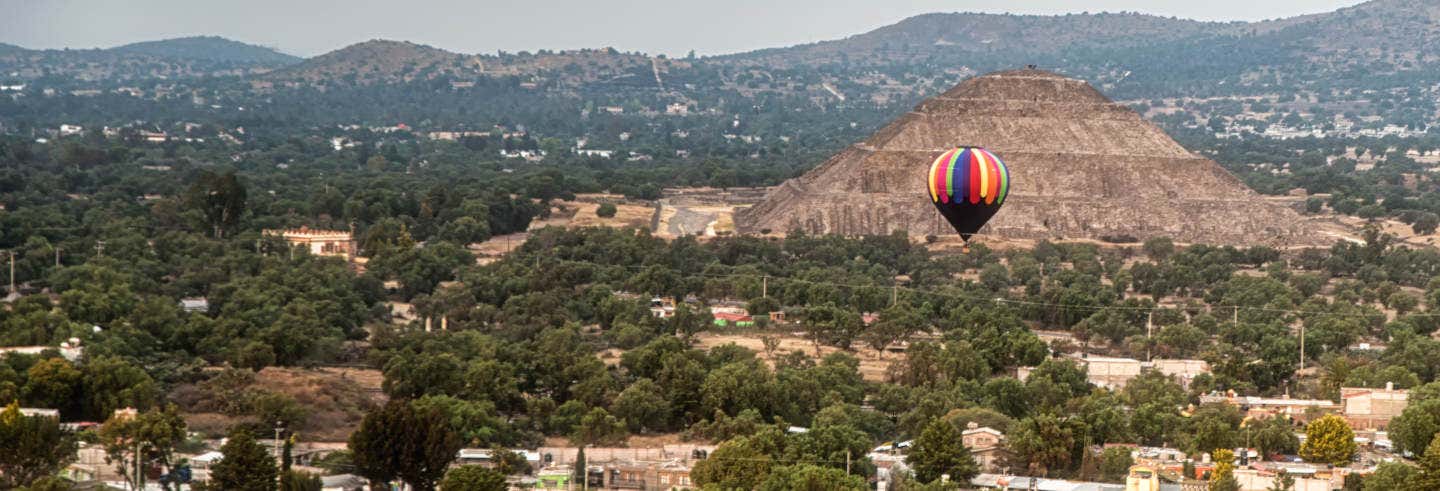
[(1390, 476), (150, 437), (1115, 464), (606, 210), (300, 481), (246, 466), (35, 447), (805, 477), (398, 441), (938, 451), (1274, 436), (1043, 443), (1223, 477), (473, 477), (1328, 440)]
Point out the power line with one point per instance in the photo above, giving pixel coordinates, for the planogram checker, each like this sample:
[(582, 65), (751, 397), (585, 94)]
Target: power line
[(1135, 308)]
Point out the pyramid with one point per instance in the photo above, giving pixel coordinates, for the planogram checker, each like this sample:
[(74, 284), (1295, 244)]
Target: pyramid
[(1082, 167)]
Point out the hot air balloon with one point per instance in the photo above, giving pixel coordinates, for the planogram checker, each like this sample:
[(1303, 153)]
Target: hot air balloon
[(968, 185)]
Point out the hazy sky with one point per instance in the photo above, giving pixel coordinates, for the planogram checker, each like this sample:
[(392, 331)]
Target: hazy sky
[(310, 27)]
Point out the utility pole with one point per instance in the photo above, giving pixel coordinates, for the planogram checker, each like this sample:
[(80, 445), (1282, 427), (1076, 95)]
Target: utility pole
[(57, 256), (278, 462), (765, 286), (12, 271), (100, 248), (139, 473), (1149, 333), (1302, 348), (1235, 315), (847, 462)]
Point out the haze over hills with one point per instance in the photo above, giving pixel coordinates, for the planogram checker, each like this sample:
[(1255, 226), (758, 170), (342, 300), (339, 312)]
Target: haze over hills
[(212, 48), (1128, 55)]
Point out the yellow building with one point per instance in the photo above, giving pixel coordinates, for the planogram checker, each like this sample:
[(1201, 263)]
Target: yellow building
[(336, 243)]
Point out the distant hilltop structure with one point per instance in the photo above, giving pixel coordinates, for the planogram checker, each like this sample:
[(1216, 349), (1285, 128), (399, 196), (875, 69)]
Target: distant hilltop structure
[(335, 243), (1083, 167)]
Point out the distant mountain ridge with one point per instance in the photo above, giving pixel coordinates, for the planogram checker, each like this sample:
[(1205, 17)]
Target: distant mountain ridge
[(212, 48), (375, 61), (1127, 55), (199, 56)]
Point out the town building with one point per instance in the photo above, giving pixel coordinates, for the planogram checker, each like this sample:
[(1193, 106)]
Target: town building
[(1372, 409), (1300, 410), (196, 304), (986, 445), (1183, 371), (723, 319), (1110, 373), (334, 243)]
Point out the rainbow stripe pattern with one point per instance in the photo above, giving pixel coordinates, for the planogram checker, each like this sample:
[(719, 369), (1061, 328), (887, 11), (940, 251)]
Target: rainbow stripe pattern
[(969, 174)]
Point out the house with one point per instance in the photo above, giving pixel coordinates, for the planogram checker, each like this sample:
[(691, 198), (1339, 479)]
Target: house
[(1183, 371), (1299, 410), (196, 304), (70, 130), (1142, 478), (662, 307), (723, 319), (1367, 409), (557, 477), (1007, 482), (70, 350), (1305, 480), (1110, 373), (343, 482), (674, 475), (335, 243), (586, 152), (153, 136), (40, 412), (985, 444), (677, 109)]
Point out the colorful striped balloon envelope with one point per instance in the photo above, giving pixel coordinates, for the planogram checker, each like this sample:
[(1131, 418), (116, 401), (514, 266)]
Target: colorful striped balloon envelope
[(968, 185)]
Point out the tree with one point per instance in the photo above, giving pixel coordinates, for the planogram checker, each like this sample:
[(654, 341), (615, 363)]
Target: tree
[(1044, 443), (1389, 476), (606, 210), (246, 466), (1328, 440), (643, 406), (1415, 427), (1115, 464), (1429, 475), (149, 437), (599, 427), (1223, 477), (581, 473), (1274, 436), (34, 447), (807, 477), (473, 478), (1425, 223), (1159, 248), (399, 441), (735, 464), (221, 198), (300, 481), (939, 451), (1283, 482)]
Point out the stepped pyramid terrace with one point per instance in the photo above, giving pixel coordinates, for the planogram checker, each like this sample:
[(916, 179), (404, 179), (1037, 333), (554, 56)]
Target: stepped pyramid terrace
[(1082, 167)]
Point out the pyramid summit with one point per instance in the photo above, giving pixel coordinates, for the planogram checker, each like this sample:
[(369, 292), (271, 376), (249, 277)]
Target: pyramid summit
[(1083, 167)]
